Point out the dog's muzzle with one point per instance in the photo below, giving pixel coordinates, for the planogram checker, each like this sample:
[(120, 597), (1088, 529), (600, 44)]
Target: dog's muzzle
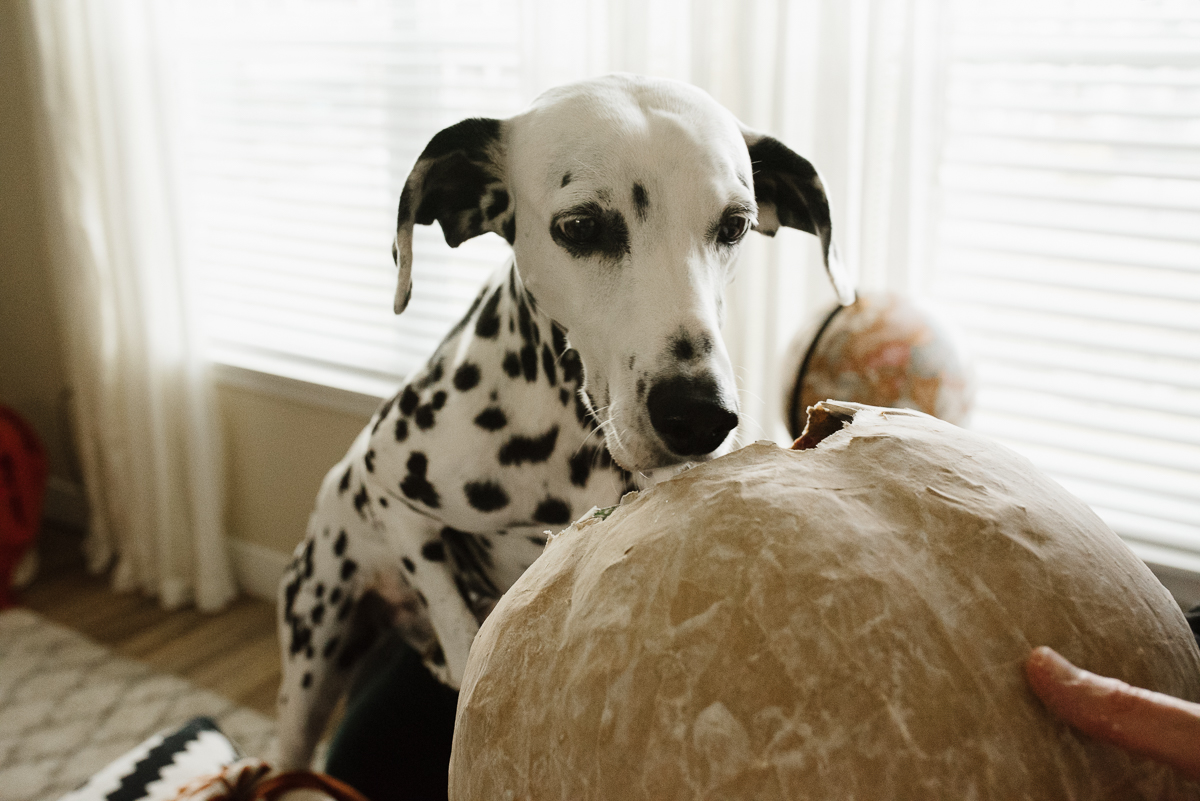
[(689, 415)]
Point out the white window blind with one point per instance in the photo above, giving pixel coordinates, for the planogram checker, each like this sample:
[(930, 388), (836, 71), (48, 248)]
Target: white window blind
[(1067, 244), (299, 123)]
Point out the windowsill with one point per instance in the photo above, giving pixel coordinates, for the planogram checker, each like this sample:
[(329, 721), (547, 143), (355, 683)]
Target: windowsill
[(309, 385)]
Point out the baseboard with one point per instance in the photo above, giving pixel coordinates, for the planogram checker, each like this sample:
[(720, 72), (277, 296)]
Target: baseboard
[(257, 568), (65, 503)]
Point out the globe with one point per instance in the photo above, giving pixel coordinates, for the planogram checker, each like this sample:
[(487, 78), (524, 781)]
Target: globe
[(885, 349)]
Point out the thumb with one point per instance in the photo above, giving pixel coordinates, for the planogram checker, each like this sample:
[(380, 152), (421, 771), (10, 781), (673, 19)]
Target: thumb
[(1143, 722)]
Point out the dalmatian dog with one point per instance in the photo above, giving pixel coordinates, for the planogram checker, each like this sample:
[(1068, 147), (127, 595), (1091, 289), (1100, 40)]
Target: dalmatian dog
[(592, 357)]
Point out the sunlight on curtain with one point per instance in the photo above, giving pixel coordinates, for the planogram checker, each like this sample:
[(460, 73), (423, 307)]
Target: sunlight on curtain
[(147, 439)]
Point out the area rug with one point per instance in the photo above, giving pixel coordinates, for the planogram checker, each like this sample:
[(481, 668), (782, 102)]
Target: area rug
[(68, 707)]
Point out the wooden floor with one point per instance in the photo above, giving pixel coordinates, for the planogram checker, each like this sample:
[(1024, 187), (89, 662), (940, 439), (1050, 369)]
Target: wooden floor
[(233, 652)]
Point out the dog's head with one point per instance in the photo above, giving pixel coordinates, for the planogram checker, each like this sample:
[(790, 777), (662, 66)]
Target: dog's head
[(625, 200)]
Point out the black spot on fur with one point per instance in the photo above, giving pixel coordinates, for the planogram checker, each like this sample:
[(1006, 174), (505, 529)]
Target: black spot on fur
[(534, 450), (434, 374), (330, 647), (344, 484), (512, 364), (339, 545), (548, 365), (401, 430), (383, 501), (558, 338), (423, 417), (525, 324), (290, 591), (789, 183), (369, 460), (415, 486), (320, 591), (408, 565), (581, 412), (348, 568), (491, 419), (472, 136), (301, 635), (553, 510), (488, 324), (538, 541), (382, 413), (632, 360), (308, 559), (453, 188), (306, 682), (641, 387), (529, 362), (433, 551), (318, 614), (335, 595), (485, 496), (641, 201), (566, 179), (466, 377), (682, 348), (408, 401), (498, 204), (572, 366), (581, 465), (564, 396), (439, 399), (461, 324), (471, 562), (361, 499)]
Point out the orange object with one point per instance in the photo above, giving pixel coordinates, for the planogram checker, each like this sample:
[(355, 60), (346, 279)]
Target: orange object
[(23, 473)]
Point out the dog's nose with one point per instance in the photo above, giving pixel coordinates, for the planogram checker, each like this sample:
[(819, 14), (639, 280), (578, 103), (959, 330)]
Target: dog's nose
[(688, 414)]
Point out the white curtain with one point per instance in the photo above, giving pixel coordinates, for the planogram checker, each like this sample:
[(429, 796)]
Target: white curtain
[(144, 410)]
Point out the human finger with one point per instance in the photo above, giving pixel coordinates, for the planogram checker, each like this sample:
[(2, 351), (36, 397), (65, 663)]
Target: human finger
[(1147, 723)]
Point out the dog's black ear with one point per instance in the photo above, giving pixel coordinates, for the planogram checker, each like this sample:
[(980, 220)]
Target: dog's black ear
[(458, 181), (789, 192)]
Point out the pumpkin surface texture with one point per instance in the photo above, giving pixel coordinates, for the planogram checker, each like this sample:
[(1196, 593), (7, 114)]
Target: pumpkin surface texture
[(846, 621)]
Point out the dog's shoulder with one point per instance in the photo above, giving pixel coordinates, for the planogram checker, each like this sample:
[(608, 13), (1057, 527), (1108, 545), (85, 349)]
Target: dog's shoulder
[(491, 431)]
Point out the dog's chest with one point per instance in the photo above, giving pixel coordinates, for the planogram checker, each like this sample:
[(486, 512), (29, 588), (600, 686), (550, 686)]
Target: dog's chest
[(491, 433)]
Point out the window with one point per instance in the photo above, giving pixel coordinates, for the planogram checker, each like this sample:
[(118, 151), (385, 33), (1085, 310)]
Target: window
[(1067, 245), (1043, 156), (300, 121)]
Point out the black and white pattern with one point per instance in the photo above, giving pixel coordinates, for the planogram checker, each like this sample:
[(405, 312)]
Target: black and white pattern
[(69, 706), (625, 201), (156, 769), (444, 499)]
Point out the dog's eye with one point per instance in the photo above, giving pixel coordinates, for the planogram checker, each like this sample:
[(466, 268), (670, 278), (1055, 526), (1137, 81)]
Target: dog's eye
[(732, 229), (579, 230)]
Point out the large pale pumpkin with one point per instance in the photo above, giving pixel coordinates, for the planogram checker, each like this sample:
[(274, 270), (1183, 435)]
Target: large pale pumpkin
[(844, 622)]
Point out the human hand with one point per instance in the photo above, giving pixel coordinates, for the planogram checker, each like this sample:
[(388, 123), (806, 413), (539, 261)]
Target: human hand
[(1143, 722)]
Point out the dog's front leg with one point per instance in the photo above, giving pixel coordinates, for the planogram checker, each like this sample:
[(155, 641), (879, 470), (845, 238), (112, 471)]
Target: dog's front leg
[(426, 550)]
